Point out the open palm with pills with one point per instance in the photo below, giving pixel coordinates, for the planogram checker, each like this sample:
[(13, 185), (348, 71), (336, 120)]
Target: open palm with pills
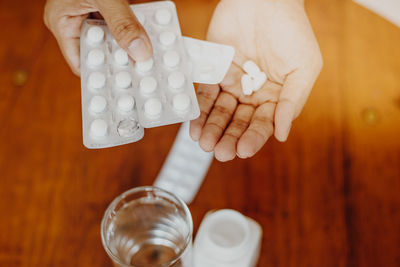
[(278, 38)]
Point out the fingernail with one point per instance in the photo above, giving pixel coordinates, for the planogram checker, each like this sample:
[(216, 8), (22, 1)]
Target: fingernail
[(138, 50)]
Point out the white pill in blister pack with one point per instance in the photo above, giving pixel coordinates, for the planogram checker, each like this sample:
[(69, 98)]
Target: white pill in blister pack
[(163, 16), (171, 59), (98, 104), (153, 108), (167, 38), (121, 57), (96, 58), (148, 85), (123, 79), (126, 103), (98, 128), (96, 80), (181, 102), (95, 35), (176, 80)]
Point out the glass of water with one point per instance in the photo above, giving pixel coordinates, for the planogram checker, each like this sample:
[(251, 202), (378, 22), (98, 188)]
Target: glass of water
[(148, 227)]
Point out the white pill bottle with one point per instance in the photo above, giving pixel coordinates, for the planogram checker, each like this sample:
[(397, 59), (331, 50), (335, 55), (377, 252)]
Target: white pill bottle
[(226, 238)]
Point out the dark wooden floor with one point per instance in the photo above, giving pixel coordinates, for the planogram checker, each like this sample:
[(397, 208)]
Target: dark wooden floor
[(330, 196)]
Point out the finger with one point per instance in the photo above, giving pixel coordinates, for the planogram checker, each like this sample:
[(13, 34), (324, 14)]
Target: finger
[(126, 29), (295, 91), (67, 33), (260, 129), (225, 150), (206, 96), (217, 121), (70, 50)]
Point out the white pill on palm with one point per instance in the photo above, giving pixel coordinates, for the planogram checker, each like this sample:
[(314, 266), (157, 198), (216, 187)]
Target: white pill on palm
[(121, 57), (251, 68), (95, 35), (95, 58), (153, 108), (163, 16), (98, 128), (98, 104), (148, 85), (247, 84), (171, 59), (259, 80), (123, 79), (126, 103), (96, 80)]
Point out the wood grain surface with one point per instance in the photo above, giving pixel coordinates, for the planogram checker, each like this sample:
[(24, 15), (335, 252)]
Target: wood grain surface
[(330, 196)]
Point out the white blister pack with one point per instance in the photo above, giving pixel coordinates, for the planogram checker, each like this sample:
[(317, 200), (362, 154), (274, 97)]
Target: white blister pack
[(121, 97), (109, 114)]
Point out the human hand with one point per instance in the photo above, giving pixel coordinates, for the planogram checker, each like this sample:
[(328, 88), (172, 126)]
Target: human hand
[(277, 36), (64, 19)]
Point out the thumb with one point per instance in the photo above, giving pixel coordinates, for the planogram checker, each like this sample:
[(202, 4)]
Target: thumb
[(126, 29), (294, 94)]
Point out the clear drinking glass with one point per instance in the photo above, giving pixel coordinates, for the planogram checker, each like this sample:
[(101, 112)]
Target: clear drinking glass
[(148, 227)]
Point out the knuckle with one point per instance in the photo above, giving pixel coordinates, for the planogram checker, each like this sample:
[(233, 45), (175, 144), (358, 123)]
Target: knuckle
[(262, 121), (239, 123), (222, 110), (205, 94)]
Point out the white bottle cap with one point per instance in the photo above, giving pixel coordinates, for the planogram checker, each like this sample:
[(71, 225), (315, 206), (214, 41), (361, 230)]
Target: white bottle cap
[(98, 104), (148, 85), (123, 79), (163, 16), (126, 103), (153, 107), (121, 57), (98, 128), (145, 66), (171, 59), (251, 68), (95, 35), (224, 235), (176, 80), (167, 38), (181, 102), (247, 84), (97, 80), (95, 58)]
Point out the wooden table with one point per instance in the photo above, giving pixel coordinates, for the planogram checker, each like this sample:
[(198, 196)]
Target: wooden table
[(330, 196)]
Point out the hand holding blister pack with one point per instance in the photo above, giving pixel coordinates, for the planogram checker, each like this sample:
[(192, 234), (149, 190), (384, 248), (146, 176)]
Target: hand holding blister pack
[(121, 97)]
